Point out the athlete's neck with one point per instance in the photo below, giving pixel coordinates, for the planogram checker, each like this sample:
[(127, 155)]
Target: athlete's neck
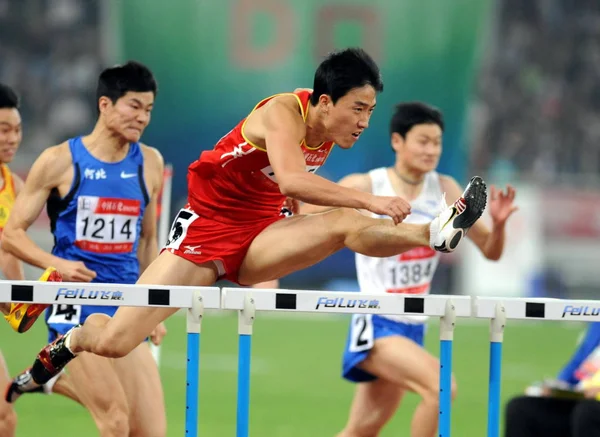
[(409, 179), (105, 145), (316, 133)]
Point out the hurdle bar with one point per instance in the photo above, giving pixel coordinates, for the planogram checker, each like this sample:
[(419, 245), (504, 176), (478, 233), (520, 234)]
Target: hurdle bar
[(249, 301), (194, 299), (499, 310)]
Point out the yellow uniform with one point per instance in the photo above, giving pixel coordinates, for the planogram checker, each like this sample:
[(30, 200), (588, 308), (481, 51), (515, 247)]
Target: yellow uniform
[(22, 315), (7, 195)]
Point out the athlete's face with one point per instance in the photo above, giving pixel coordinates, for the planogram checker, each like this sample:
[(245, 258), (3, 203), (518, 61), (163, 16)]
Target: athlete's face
[(129, 115), (349, 117), (421, 149), (10, 133)]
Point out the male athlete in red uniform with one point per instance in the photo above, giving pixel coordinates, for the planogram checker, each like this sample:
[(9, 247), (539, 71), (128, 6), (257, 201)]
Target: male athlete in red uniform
[(232, 226)]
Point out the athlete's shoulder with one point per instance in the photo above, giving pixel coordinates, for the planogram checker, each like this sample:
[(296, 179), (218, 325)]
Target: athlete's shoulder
[(290, 100), (445, 180), (152, 154), (154, 164), (61, 153), (358, 181), (52, 165)]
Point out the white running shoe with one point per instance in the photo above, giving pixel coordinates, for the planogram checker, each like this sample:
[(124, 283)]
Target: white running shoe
[(453, 223)]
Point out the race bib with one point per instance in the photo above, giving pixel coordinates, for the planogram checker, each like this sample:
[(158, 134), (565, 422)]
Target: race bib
[(65, 314), (412, 271), (106, 225)]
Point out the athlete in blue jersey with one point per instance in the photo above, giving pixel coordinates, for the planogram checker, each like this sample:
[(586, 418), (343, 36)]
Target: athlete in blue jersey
[(101, 195)]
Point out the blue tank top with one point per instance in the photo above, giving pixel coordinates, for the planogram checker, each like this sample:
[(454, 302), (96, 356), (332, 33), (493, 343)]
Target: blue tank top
[(100, 219)]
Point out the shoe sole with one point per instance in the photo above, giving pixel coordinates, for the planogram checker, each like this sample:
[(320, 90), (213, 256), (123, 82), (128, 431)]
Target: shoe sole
[(475, 196)]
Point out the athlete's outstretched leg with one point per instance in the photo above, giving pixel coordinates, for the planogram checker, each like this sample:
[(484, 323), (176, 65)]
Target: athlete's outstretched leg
[(309, 239), (301, 241)]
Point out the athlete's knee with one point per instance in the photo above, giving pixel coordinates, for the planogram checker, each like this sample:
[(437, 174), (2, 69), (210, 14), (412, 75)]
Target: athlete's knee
[(113, 345), (346, 222), (113, 421), (98, 320)]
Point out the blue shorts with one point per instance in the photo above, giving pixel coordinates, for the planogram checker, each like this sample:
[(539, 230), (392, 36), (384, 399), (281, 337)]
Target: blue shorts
[(364, 330), (61, 318)]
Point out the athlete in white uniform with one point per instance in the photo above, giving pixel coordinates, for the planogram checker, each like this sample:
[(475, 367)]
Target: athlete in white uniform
[(384, 354)]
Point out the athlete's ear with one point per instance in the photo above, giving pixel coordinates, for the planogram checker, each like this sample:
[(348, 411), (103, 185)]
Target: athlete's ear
[(104, 103), (397, 141), (325, 102)]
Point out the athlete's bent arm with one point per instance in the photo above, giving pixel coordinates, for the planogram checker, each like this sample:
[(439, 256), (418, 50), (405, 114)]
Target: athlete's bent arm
[(148, 244), (284, 130), (49, 168), (490, 242), (12, 267), (358, 181)]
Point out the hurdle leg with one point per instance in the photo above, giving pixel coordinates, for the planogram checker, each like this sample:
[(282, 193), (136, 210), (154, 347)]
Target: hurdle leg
[(447, 323), (194, 322), (497, 325), (245, 321)]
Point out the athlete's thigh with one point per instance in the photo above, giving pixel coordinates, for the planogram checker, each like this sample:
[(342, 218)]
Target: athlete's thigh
[(136, 323), (291, 244), (374, 403), (140, 379), (404, 362), (98, 387)]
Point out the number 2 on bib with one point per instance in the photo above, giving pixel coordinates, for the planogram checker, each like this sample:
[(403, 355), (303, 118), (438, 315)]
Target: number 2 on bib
[(361, 333)]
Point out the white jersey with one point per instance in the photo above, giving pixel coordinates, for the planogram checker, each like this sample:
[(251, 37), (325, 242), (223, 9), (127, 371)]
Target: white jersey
[(410, 272)]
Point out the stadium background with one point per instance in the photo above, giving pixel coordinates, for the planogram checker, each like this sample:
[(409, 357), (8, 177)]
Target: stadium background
[(517, 81)]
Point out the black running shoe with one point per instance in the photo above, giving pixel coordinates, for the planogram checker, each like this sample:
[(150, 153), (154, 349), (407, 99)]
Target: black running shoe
[(51, 360), (453, 223)]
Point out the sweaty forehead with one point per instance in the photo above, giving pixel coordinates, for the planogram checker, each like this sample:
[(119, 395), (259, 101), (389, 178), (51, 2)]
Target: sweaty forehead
[(10, 116)]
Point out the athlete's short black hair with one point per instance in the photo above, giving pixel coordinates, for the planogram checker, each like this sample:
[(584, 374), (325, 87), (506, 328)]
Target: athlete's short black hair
[(115, 82), (409, 114), (8, 97), (344, 70)]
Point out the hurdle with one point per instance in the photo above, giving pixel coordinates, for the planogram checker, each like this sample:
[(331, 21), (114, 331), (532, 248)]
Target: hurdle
[(194, 299), (248, 301), (499, 310)]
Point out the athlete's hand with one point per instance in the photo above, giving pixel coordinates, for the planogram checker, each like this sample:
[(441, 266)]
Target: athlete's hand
[(158, 334), (395, 207), (502, 204), (74, 271)]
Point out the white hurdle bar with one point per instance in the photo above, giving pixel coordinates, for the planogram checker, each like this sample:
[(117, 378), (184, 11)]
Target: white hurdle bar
[(194, 299), (249, 301), (499, 310)]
